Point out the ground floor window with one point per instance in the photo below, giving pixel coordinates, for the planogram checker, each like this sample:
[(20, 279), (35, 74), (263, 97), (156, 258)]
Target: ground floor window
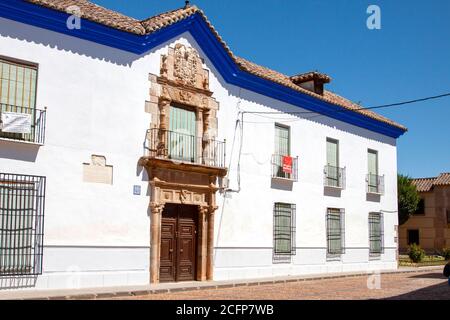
[(284, 231), (335, 232), (376, 234), (413, 237), (21, 224)]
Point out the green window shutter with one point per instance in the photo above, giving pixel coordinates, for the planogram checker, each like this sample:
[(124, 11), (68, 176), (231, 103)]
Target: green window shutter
[(17, 85), (284, 229), (282, 140), (376, 233), (182, 134), (332, 153), (282, 148), (16, 227), (335, 234), (372, 157)]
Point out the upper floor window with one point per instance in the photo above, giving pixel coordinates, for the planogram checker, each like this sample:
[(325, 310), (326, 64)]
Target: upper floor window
[(375, 182), (334, 175), (182, 135), (282, 140), (18, 83), (19, 118), (283, 164), (420, 207)]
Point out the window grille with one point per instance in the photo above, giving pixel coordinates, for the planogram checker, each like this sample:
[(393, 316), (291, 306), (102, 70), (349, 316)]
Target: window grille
[(284, 229), (22, 200), (376, 233), (335, 231)]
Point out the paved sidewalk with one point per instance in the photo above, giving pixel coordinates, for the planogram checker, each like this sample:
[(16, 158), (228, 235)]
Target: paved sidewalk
[(134, 291)]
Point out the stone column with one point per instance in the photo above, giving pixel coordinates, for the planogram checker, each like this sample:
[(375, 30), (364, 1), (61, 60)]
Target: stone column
[(164, 105), (206, 138), (210, 254), (202, 245), (155, 231)]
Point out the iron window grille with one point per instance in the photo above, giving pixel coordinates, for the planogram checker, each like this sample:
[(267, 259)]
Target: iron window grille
[(335, 232), (22, 199), (334, 177), (38, 117), (376, 233), (375, 184), (284, 229), (279, 172)]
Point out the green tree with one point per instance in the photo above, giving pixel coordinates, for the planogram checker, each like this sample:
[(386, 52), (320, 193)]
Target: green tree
[(408, 198)]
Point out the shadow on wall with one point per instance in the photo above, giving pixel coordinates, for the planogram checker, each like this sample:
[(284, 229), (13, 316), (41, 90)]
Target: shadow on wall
[(17, 282), (281, 184), (19, 31), (332, 192), (18, 151)]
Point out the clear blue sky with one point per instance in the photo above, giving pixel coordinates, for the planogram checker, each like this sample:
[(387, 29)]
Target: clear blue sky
[(408, 58)]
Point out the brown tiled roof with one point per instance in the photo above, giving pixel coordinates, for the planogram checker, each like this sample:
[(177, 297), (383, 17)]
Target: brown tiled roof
[(298, 78), (116, 20), (442, 180), (426, 184), (95, 13)]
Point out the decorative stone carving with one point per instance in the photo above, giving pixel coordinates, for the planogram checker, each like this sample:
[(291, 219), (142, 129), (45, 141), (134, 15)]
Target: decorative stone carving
[(186, 65), (97, 171)]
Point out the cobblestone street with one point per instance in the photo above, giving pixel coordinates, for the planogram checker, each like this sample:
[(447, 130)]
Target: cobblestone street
[(424, 285)]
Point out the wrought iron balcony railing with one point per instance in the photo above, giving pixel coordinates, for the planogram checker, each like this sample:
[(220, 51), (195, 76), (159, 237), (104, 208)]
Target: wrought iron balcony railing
[(165, 144), (334, 177), (375, 184), (22, 123), (284, 167)]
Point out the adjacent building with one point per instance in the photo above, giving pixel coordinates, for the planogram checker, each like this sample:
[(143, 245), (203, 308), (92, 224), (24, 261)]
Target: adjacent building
[(136, 152), (429, 227)]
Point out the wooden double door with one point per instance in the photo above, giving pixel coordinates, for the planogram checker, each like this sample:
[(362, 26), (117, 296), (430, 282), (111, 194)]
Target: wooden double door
[(178, 254)]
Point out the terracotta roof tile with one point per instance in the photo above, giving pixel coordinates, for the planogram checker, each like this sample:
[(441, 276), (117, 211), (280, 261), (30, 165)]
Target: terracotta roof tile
[(116, 20), (95, 13), (426, 184), (443, 179)]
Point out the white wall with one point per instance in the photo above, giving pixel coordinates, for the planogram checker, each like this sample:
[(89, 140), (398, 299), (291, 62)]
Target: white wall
[(101, 233)]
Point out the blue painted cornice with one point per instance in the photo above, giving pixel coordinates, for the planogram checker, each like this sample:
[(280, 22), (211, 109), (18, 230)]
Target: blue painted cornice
[(196, 25)]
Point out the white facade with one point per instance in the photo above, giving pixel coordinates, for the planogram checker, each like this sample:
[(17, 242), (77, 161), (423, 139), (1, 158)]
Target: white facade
[(99, 235)]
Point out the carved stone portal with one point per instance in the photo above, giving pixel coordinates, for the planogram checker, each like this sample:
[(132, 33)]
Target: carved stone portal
[(183, 81)]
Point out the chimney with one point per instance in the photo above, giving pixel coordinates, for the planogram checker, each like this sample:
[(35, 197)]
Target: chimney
[(312, 81)]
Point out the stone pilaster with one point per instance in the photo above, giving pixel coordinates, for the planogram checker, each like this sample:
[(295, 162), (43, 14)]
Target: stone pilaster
[(156, 210)]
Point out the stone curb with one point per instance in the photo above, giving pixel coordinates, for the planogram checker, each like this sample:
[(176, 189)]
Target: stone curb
[(260, 282)]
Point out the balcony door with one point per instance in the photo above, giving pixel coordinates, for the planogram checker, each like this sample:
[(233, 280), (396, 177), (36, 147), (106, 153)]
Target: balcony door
[(282, 149), (182, 134), (372, 157), (332, 162), (18, 82)]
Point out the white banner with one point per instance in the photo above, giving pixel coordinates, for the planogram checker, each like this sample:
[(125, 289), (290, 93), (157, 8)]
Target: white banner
[(16, 122)]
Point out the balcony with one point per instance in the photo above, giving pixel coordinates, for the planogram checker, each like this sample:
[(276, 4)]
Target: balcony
[(334, 177), (22, 124), (375, 184), (180, 147), (284, 167)]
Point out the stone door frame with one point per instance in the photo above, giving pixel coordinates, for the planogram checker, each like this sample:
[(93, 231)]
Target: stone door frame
[(201, 196)]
